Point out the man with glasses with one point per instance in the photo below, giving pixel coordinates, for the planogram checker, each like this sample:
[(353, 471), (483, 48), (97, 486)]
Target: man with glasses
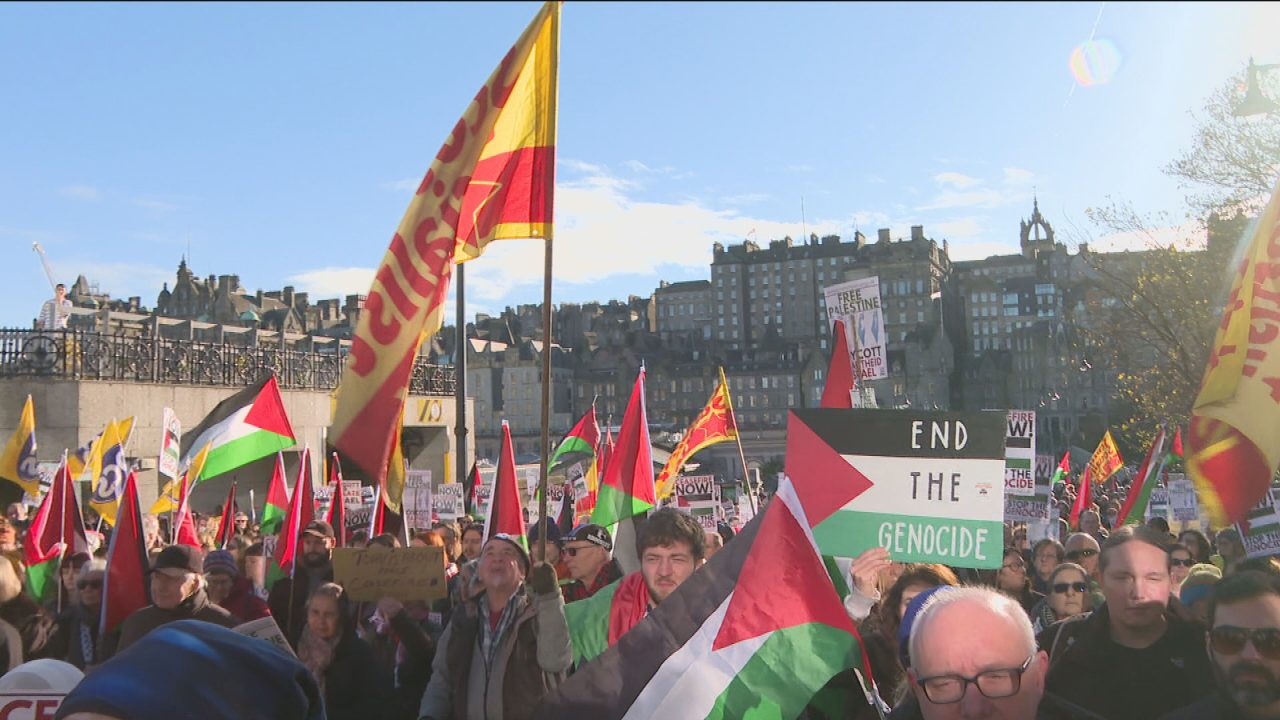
[(974, 656), (1131, 658), (178, 592), (588, 551), (1244, 647)]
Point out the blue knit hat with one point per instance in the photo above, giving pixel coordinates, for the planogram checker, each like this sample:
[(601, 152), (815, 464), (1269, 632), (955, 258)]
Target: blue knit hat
[(169, 674), (914, 608), (221, 561)]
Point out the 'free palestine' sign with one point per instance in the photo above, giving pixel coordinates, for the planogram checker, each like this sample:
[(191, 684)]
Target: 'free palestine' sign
[(929, 486)]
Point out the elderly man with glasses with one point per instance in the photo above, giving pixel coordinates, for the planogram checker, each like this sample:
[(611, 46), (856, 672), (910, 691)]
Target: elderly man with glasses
[(974, 656)]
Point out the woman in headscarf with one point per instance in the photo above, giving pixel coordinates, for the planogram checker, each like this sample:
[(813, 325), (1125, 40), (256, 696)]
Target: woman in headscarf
[(353, 686)]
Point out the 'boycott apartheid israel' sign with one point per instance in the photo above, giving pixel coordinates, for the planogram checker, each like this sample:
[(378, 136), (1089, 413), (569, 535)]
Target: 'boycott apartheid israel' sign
[(929, 486), (857, 304)]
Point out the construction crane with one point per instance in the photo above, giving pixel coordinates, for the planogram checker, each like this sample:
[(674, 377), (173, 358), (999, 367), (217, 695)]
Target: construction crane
[(48, 271)]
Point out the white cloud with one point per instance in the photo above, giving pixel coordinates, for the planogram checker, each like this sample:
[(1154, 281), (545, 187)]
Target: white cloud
[(956, 180), (119, 279), (333, 281), (1018, 176), (964, 227), (744, 199), (79, 192), (406, 185)]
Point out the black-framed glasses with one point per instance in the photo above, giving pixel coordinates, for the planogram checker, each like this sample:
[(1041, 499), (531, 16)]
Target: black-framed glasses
[(1230, 640), (1062, 588), (1077, 554), (1181, 562), (1015, 566), (995, 684)]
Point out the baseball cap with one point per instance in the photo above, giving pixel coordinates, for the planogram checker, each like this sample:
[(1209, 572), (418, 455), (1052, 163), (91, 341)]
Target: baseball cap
[(503, 537), (180, 557), (319, 528), (593, 533)]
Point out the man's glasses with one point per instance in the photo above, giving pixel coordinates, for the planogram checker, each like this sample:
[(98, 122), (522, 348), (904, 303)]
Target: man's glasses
[(1062, 588), (995, 684), (1230, 640), (1078, 554), (1182, 562)]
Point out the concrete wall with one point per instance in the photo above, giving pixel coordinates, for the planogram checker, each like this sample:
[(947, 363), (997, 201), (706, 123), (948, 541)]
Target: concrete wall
[(71, 413)]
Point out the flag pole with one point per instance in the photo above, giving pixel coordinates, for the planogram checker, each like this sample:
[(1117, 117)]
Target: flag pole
[(460, 375), (546, 292), (62, 526), (746, 474)]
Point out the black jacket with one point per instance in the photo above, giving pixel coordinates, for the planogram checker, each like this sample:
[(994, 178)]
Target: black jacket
[(67, 643), (141, 622), (1087, 668), (293, 617), (1210, 707), (1051, 707), (355, 687)]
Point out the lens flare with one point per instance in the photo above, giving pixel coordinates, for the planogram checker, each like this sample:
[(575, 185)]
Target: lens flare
[(1094, 62)]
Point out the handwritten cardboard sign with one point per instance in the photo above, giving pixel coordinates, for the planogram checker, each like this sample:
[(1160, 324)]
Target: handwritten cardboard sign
[(412, 573)]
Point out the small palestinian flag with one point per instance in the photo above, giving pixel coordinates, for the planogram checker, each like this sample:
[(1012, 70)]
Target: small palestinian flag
[(627, 486), (277, 500), (756, 632), (249, 425), (580, 442), (505, 506)]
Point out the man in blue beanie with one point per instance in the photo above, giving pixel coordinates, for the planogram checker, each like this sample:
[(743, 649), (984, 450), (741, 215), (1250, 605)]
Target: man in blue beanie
[(189, 670)]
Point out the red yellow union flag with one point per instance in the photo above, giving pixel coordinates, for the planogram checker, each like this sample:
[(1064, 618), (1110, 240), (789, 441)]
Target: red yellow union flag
[(715, 424), (1233, 443), (492, 179)]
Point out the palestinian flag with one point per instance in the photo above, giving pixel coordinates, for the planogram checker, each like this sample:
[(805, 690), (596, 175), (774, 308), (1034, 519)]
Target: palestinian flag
[(627, 487), (302, 510), (567, 516), (277, 500), (185, 532), (755, 632), (469, 492), (125, 587), (1134, 508), (1175, 450), (337, 504), (1061, 472), (838, 390), (580, 442), (56, 530), (227, 524), (504, 514), (249, 425)]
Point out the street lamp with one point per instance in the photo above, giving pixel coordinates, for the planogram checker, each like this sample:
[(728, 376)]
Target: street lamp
[(1255, 103)]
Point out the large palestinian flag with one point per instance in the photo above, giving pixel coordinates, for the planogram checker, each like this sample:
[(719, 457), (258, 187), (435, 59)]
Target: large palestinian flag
[(756, 632), (249, 425)]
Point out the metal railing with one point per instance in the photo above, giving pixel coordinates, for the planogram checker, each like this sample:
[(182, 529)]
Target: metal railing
[(87, 355)]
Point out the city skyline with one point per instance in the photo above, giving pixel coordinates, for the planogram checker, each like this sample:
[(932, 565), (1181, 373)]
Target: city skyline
[(289, 159)]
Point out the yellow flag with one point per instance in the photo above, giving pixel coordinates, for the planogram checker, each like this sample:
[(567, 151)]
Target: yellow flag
[(1106, 460), (109, 461), (490, 180), (171, 495), (18, 463), (1234, 439), (715, 424), (394, 492)]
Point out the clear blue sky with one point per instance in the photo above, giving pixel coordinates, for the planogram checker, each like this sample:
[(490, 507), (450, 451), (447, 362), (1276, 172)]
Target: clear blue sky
[(281, 142)]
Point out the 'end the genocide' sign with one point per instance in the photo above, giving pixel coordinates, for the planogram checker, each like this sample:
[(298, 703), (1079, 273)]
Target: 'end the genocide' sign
[(929, 486)]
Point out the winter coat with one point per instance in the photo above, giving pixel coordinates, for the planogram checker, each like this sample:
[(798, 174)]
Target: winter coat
[(532, 659), (1051, 707), (1086, 667), (355, 688), (196, 607), (293, 617), (243, 603), (75, 625), (1210, 707)]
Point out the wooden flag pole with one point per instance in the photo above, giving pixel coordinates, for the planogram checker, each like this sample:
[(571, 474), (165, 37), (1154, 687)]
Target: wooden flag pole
[(546, 398), (746, 474)]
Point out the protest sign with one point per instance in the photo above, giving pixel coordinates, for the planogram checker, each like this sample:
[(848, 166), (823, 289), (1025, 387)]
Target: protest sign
[(170, 439), (448, 500), (1158, 505), (1020, 453), (372, 573), (926, 485), (555, 498), (697, 491), (30, 705), (857, 304), (264, 628), (1260, 529), (1182, 498), (416, 500)]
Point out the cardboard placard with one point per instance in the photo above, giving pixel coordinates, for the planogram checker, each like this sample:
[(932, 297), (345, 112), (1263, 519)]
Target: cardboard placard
[(264, 629), (416, 501), (372, 573)]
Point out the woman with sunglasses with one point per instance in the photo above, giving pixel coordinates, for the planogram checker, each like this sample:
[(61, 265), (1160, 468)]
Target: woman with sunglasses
[(1197, 544), (76, 639), (1180, 562), (1068, 596)]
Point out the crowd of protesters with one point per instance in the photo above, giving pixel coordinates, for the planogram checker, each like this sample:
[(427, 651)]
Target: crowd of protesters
[(1106, 622)]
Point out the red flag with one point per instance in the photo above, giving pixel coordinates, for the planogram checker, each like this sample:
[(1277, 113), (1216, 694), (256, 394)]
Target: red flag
[(379, 519), (836, 393), (302, 511), (227, 525), (186, 530), (337, 505), (277, 506), (627, 485), (1177, 445), (125, 588), (58, 526), (504, 514)]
